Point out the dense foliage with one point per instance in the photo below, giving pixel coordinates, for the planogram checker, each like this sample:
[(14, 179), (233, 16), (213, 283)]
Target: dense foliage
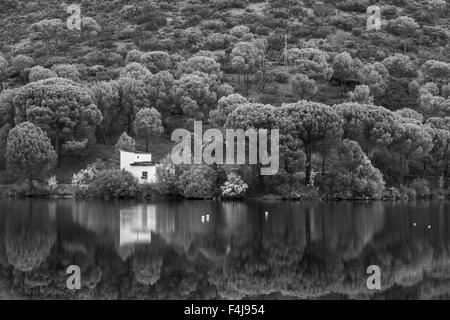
[(137, 70)]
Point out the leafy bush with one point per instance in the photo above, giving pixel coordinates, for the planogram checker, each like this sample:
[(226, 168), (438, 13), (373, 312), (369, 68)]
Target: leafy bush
[(353, 176), (86, 176), (167, 178), (115, 183), (199, 181), (234, 187)]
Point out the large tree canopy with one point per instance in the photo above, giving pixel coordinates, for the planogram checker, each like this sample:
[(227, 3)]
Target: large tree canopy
[(61, 107)]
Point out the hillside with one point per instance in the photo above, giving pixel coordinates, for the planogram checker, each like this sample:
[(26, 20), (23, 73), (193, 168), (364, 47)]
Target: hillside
[(189, 59)]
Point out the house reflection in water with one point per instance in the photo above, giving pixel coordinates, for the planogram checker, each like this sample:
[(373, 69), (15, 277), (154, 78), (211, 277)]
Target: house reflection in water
[(178, 225), (137, 224)]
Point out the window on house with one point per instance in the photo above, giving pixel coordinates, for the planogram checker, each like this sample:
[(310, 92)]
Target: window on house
[(144, 175)]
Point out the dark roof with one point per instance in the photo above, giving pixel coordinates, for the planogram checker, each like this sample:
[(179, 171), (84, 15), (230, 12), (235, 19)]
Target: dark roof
[(143, 164)]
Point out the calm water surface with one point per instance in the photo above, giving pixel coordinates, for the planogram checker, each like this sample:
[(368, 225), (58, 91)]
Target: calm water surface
[(222, 250)]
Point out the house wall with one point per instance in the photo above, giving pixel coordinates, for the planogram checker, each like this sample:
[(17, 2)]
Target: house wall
[(127, 158), (137, 172)]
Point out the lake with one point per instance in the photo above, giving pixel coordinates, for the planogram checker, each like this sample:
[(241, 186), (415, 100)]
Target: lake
[(224, 250)]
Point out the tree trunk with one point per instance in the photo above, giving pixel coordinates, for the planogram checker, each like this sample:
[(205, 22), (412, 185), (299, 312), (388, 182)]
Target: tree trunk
[(446, 174), (58, 148), (246, 84), (324, 159), (129, 121), (404, 167), (308, 166)]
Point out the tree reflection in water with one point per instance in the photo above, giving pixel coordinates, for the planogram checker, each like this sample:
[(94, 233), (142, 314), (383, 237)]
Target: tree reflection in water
[(209, 249)]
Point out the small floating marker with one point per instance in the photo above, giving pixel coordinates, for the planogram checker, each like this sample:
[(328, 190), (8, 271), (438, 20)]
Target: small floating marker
[(266, 214), (207, 218), (429, 227), (414, 224), (203, 219)]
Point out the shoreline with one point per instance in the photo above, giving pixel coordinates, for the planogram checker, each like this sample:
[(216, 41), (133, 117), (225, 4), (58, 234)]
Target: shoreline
[(69, 191)]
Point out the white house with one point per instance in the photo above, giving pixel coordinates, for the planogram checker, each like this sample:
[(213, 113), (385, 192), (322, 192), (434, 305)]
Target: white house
[(139, 165)]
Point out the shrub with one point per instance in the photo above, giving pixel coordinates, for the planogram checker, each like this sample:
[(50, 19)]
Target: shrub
[(234, 187), (85, 176), (199, 181), (353, 176), (167, 178), (115, 183)]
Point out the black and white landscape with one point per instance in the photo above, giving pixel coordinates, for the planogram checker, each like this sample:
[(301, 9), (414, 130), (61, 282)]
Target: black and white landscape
[(225, 149)]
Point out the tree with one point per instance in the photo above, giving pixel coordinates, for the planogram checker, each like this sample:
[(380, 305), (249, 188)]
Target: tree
[(147, 123), (3, 70), (374, 75), (47, 30), (430, 103), (126, 143), (245, 59), (7, 108), (412, 141), (4, 131), (134, 70), (345, 68), (156, 61), (312, 124), (196, 94), (21, 64), (106, 96), (310, 62), (133, 56), (134, 95), (440, 133), (203, 64), (371, 126), (438, 71), (253, 116), (29, 152), (303, 86), (410, 114), (400, 66), (403, 27), (59, 106), (361, 94), (225, 106), (39, 73), (239, 31), (89, 27), (160, 87), (353, 175), (68, 71)]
